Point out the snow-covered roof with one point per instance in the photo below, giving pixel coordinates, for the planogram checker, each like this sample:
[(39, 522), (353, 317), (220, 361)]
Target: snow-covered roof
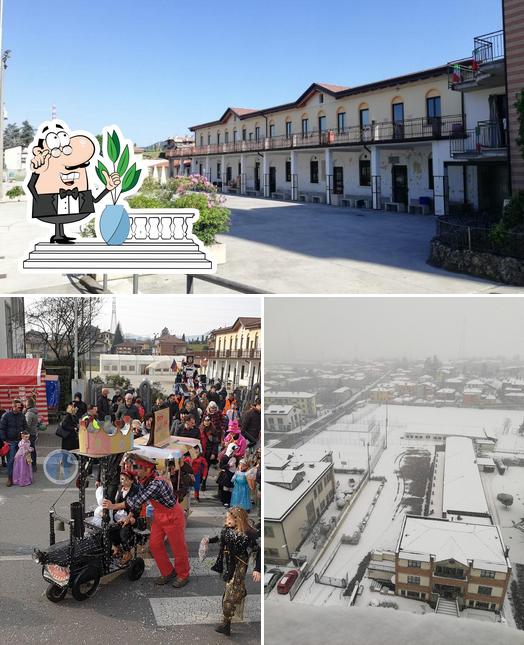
[(279, 501), (485, 461), (445, 540), (463, 491), (341, 390), (288, 395), (278, 409)]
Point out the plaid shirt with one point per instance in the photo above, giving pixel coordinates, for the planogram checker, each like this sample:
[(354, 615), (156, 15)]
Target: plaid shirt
[(157, 489)]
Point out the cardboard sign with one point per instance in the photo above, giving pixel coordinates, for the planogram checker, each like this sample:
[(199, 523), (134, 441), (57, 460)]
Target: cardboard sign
[(160, 433)]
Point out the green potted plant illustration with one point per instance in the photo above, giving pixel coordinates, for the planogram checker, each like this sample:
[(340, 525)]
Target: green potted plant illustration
[(114, 221)]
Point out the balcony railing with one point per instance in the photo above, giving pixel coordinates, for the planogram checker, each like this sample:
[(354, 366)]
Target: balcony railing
[(488, 137), (489, 47), (486, 49), (457, 575), (235, 353), (377, 132)]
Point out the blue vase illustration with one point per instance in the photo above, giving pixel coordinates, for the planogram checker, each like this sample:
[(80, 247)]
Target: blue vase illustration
[(114, 224)]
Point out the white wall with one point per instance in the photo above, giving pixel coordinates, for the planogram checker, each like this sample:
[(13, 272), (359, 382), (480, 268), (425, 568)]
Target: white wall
[(476, 105)]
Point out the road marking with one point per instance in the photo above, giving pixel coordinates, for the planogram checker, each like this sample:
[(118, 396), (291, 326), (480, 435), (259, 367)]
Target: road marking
[(13, 558), (199, 610)]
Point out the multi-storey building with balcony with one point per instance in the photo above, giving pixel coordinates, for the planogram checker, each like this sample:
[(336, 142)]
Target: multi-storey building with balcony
[(465, 562), (281, 418), (380, 143), (477, 175), (234, 354)]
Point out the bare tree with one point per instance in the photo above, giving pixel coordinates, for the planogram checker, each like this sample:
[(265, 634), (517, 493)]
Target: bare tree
[(54, 320)]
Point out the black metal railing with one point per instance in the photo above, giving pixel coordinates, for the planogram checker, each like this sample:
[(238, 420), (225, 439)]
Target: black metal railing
[(476, 237), (378, 131), (489, 47), (488, 136)]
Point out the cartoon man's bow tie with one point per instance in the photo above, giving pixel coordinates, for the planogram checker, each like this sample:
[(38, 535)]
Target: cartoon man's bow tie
[(69, 193)]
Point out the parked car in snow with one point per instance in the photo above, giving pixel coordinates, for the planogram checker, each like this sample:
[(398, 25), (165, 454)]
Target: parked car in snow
[(287, 581)]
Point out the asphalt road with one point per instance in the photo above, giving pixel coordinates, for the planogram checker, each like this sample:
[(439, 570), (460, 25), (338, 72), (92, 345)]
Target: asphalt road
[(121, 611)]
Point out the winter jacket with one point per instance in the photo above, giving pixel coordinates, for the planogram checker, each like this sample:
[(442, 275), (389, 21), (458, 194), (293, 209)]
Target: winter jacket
[(124, 411), (31, 417), (11, 425), (104, 408), (251, 425)]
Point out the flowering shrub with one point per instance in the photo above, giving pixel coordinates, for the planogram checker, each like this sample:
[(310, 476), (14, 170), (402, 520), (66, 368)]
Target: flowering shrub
[(194, 191)]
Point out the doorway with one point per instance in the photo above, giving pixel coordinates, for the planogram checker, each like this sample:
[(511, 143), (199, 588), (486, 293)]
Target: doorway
[(272, 179), (400, 184), (338, 180), (257, 176)]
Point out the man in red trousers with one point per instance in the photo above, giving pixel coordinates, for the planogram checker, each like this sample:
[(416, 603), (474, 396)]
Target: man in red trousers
[(168, 520)]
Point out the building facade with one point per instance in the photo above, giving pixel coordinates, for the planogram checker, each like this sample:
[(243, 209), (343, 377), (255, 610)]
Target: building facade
[(306, 402), (12, 328), (234, 354), (281, 418), (297, 493), (513, 11), (464, 562)]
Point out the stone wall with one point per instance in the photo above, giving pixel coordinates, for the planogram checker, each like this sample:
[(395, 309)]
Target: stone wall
[(483, 265)]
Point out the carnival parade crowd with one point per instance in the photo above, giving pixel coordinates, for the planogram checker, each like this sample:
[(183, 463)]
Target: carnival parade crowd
[(138, 492)]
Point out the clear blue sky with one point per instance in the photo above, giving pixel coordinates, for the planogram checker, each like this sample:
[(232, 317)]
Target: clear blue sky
[(157, 67)]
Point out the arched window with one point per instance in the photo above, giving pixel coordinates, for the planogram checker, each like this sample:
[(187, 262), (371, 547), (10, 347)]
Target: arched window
[(363, 115), (272, 130), (256, 341), (322, 122), (218, 137), (433, 105), (236, 342), (289, 127), (305, 124)]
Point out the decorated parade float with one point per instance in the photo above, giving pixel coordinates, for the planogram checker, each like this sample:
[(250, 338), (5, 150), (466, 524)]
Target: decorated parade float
[(79, 562)]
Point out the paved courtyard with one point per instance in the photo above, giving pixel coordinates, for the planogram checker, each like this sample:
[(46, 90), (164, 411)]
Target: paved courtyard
[(284, 248)]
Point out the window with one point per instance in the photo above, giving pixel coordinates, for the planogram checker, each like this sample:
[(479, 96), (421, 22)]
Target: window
[(131, 368), (321, 98), (288, 170), (271, 131), (226, 137), (487, 574), (250, 136), (268, 531), (272, 552), (242, 372), (218, 138), (288, 129), (313, 171), (124, 368), (364, 169), (208, 139), (485, 591), (305, 126), (413, 594), (244, 134), (341, 121), (239, 168), (321, 123), (364, 117), (235, 133), (431, 184), (433, 107), (414, 564), (414, 580), (219, 176), (257, 133), (201, 140)]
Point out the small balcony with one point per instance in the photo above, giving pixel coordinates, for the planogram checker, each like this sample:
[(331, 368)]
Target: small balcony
[(488, 140), (418, 129), (450, 574), (486, 67)]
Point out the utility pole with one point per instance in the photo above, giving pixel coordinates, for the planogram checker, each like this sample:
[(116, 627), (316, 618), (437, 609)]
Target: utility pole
[(2, 65)]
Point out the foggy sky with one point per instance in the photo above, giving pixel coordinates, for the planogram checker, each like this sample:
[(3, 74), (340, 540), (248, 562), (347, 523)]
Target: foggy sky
[(193, 315), (328, 329)]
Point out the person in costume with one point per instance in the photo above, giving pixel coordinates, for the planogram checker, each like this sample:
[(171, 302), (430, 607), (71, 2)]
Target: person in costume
[(238, 542), (241, 496), (22, 469), (168, 521), (199, 465)]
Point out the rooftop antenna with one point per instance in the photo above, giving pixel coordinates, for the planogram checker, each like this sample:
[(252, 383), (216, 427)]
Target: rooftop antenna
[(113, 318)]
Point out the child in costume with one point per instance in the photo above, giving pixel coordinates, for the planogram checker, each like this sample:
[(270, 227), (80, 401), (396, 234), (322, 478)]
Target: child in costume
[(199, 465), (23, 469), (241, 497)]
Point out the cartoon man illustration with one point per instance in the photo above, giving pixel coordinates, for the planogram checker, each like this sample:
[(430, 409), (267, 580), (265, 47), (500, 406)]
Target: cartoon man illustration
[(59, 182)]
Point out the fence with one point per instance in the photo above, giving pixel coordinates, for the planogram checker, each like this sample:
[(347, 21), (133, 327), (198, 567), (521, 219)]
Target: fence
[(463, 237)]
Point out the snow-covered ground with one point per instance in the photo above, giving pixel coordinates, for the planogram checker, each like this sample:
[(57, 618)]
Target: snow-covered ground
[(371, 625), (348, 437)]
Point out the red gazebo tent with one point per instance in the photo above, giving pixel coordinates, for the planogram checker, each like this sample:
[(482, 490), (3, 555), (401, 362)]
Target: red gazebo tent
[(21, 378)]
